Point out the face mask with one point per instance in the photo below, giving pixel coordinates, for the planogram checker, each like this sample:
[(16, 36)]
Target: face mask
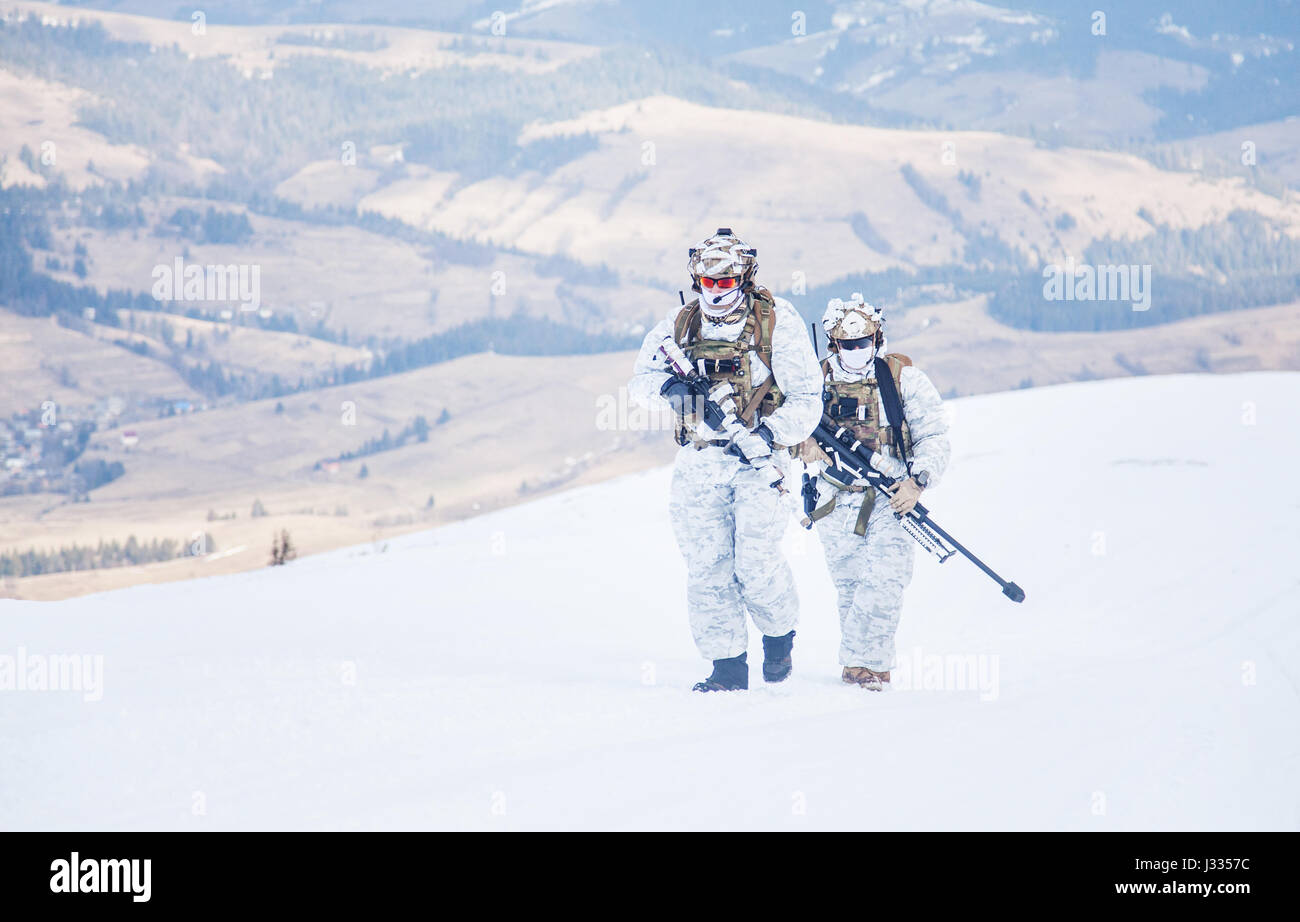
[(856, 360), (719, 301)]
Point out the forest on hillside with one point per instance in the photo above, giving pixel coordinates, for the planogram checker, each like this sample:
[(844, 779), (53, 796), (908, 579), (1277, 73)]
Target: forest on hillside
[(467, 121)]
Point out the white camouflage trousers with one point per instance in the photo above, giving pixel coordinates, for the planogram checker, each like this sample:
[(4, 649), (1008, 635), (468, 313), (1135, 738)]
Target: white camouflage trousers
[(870, 574), (729, 524)]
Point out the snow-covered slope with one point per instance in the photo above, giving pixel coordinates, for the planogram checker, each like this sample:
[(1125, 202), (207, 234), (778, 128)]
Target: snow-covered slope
[(531, 668)]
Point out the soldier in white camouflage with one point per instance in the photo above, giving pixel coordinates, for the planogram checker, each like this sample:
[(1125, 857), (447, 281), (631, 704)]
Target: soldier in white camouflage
[(727, 518), (868, 553)]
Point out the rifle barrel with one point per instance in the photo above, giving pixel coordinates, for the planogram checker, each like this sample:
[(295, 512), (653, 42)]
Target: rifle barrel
[(835, 446)]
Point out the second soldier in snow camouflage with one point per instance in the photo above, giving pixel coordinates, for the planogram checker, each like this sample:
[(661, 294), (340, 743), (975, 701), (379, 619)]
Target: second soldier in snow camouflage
[(868, 553), (727, 518)]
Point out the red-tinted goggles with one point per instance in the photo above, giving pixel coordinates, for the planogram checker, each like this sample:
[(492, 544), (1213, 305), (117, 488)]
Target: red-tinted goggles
[(729, 281)]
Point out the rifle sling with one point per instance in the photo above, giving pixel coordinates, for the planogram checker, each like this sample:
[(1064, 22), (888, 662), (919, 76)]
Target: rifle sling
[(746, 412), (893, 408), (864, 511)]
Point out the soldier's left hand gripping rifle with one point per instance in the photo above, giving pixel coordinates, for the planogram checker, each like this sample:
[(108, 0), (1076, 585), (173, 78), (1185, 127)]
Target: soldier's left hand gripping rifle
[(851, 460), (714, 405)]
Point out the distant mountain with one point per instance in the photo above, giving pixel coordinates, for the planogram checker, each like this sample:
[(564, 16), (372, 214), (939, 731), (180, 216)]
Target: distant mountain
[(1049, 68), (1055, 70), (532, 160)]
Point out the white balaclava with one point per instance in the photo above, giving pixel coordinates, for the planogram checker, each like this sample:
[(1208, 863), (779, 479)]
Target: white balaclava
[(718, 302)]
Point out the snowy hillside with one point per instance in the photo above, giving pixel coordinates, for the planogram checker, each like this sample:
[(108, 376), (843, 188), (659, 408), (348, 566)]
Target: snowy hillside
[(531, 668)]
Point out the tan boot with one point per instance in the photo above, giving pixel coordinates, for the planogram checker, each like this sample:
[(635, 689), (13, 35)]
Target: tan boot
[(867, 678)]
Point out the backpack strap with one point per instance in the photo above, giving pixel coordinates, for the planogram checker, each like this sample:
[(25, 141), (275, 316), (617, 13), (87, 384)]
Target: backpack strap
[(687, 325), (888, 372), (764, 316), (897, 362)]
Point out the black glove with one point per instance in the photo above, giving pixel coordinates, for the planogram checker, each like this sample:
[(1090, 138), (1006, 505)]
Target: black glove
[(680, 394)]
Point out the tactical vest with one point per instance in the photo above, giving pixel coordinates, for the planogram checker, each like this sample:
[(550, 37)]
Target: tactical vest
[(856, 405), (724, 360)]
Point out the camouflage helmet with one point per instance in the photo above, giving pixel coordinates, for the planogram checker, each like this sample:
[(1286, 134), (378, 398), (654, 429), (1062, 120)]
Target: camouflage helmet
[(852, 319), (724, 254)]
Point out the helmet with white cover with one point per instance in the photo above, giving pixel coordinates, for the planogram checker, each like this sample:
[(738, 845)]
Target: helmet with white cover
[(855, 329), (852, 319), (722, 269)]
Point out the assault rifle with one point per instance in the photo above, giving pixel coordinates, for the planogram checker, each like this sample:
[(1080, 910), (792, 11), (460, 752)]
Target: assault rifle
[(851, 460), (716, 416)]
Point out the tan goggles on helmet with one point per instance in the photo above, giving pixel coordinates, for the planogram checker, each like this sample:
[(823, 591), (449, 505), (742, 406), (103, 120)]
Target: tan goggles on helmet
[(729, 281)]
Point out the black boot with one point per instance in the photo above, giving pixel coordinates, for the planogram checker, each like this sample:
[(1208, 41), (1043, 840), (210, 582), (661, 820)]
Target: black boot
[(776, 657), (728, 675)]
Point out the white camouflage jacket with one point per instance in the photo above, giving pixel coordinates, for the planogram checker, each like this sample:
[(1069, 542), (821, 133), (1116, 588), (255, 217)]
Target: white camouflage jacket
[(794, 365)]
